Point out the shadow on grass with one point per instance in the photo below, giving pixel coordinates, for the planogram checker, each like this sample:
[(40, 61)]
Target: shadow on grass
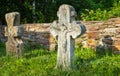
[(30, 50), (34, 50), (2, 49), (101, 52)]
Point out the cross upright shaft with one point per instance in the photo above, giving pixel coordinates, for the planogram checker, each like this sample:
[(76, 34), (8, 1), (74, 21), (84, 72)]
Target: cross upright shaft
[(65, 30), (13, 31)]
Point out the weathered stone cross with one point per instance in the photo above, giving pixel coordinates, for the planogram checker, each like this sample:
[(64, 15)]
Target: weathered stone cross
[(65, 30), (14, 44)]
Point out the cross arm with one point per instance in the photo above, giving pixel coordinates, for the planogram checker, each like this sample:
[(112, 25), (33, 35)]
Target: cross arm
[(76, 29), (54, 29), (14, 31)]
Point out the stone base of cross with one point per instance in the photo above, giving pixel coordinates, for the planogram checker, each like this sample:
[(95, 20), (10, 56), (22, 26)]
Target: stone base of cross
[(13, 31), (65, 30)]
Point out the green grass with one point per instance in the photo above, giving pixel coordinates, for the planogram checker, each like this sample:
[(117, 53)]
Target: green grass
[(41, 62)]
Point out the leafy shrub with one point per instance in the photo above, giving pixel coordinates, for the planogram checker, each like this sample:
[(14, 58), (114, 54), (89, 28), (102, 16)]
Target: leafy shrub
[(116, 9), (95, 15), (100, 13)]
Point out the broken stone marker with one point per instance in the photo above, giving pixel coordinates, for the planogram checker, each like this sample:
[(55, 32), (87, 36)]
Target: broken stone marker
[(13, 31), (65, 30)]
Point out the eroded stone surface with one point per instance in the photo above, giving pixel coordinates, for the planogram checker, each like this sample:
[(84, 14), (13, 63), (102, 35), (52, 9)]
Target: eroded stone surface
[(65, 30), (14, 44)]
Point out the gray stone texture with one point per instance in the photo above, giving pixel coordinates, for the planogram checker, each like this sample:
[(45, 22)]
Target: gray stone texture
[(65, 31), (13, 31)]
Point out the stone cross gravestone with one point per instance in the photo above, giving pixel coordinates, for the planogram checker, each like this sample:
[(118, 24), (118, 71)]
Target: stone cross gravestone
[(65, 30), (13, 31)]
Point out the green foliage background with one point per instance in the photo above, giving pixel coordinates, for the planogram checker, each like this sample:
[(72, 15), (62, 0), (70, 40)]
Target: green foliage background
[(46, 9)]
